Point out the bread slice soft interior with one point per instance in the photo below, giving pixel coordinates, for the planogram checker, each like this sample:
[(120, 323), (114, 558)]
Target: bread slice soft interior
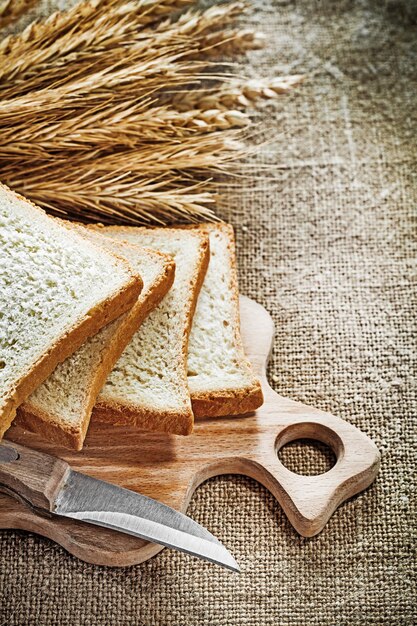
[(148, 387), (60, 408), (220, 377), (56, 289)]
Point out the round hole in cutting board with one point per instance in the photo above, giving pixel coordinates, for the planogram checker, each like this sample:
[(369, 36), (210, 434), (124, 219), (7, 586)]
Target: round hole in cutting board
[(307, 457)]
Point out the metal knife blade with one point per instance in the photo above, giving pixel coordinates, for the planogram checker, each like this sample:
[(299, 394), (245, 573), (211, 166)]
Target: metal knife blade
[(101, 503), (49, 484)]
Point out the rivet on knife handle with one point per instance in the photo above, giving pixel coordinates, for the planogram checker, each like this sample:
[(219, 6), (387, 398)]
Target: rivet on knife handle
[(34, 476)]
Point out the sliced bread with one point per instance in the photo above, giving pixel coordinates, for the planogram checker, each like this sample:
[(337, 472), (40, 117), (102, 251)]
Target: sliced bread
[(56, 289), (220, 377), (60, 408), (148, 385)]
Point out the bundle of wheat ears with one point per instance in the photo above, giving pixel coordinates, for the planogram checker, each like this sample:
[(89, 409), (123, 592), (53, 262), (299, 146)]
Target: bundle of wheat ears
[(124, 111)]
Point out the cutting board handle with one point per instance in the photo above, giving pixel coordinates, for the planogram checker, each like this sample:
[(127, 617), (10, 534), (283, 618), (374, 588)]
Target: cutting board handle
[(309, 501)]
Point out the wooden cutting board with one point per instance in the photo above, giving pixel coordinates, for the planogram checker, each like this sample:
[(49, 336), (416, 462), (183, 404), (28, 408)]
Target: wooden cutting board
[(170, 468)]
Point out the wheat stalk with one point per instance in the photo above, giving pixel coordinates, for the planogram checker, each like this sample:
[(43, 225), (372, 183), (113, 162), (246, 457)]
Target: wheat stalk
[(233, 41), (129, 129), (85, 37), (126, 198), (97, 119), (238, 94), (11, 10), (79, 31)]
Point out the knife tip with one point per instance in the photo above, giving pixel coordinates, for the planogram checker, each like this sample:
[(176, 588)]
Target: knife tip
[(235, 569), (230, 563)]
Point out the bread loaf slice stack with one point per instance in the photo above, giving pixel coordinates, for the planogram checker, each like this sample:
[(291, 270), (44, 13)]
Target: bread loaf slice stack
[(127, 325), (56, 289), (60, 408), (148, 387)]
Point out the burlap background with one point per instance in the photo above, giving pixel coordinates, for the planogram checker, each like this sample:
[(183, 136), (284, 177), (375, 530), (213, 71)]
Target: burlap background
[(325, 243)]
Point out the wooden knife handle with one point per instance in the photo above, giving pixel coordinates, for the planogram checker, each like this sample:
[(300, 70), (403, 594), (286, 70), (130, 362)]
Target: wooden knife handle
[(32, 476)]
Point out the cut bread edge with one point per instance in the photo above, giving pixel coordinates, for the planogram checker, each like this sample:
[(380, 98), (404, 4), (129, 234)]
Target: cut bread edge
[(98, 316), (123, 414), (178, 422), (36, 420), (227, 402)]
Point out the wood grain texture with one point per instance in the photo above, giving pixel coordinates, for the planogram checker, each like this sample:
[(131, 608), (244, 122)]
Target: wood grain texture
[(169, 468), (35, 478)]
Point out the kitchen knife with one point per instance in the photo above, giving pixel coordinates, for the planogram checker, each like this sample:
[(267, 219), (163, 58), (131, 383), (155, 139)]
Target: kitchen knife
[(51, 487)]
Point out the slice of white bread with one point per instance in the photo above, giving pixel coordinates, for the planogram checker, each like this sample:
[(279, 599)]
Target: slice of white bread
[(220, 377), (56, 289), (148, 385), (60, 408)]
